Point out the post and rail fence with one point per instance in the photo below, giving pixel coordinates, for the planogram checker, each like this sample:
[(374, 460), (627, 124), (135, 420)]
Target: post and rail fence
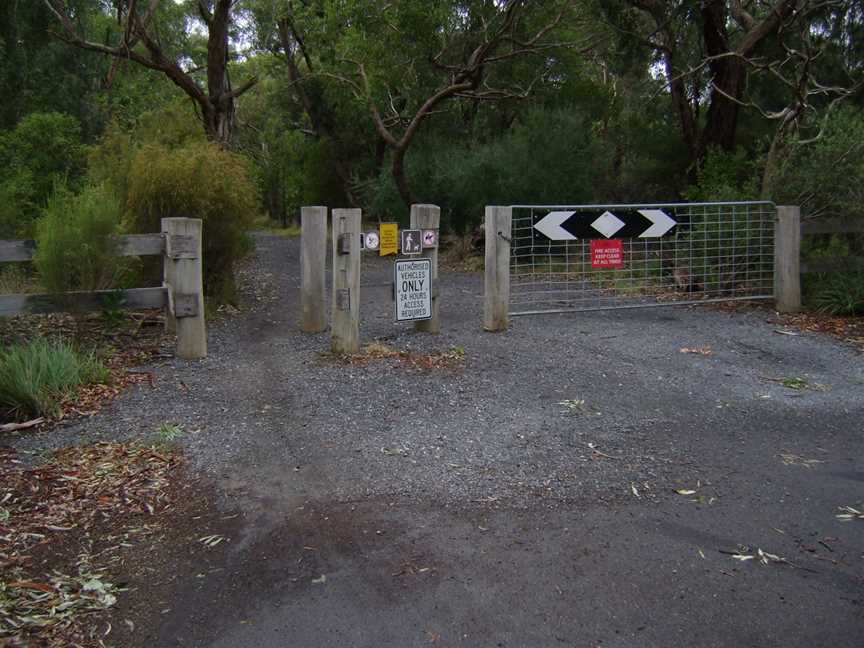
[(181, 295)]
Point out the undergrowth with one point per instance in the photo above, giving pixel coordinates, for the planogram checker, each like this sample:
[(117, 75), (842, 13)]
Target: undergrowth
[(840, 294), (37, 376)]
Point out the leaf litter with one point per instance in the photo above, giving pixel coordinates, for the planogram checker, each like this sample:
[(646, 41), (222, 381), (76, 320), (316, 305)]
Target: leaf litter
[(452, 359), (55, 554), (848, 514)]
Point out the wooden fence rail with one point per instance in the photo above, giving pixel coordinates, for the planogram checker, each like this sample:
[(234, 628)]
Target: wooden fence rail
[(832, 226), (181, 294)]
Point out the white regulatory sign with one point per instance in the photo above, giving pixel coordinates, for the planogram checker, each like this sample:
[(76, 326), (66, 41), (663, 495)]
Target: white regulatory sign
[(413, 290), (371, 240)]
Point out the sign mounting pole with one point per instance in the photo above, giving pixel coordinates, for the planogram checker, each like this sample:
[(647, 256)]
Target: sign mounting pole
[(428, 217)]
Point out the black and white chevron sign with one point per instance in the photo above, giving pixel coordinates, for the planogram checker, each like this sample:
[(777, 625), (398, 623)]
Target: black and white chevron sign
[(622, 223)]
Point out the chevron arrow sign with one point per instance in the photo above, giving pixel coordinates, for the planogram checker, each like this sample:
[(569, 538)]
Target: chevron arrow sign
[(622, 223)]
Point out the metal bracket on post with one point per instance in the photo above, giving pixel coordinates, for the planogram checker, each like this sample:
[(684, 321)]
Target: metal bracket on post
[(343, 299), (345, 243), (180, 246)]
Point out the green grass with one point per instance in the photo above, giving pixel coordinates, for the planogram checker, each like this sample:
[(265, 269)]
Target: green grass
[(840, 294), (35, 377), (169, 432)]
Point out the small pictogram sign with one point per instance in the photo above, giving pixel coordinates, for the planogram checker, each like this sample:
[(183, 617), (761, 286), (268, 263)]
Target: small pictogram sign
[(412, 242)]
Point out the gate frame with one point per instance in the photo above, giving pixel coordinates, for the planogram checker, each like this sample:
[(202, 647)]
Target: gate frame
[(498, 229)]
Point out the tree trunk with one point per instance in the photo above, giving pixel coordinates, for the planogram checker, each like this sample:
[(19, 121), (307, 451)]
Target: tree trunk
[(398, 171), (682, 105), (220, 121)]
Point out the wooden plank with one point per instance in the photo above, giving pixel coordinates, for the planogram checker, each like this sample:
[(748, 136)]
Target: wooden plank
[(17, 250), (832, 226), (425, 217), (833, 264), (141, 245), (129, 245), (496, 307), (80, 301), (313, 269), (345, 318)]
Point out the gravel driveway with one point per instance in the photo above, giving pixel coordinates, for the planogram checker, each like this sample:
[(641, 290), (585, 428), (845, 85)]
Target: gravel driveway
[(575, 481)]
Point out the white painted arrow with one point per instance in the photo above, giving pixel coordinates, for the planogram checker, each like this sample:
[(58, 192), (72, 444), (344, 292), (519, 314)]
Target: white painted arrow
[(550, 226), (660, 223)]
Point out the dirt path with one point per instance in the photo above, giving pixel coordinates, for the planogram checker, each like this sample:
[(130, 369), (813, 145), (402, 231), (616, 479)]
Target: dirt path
[(522, 495)]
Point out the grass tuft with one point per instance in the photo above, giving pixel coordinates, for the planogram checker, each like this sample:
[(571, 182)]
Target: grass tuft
[(36, 377)]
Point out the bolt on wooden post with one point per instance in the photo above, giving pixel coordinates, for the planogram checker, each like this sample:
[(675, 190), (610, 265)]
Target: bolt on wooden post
[(313, 266), (787, 259), (345, 318), (184, 281), (428, 217), (496, 304)]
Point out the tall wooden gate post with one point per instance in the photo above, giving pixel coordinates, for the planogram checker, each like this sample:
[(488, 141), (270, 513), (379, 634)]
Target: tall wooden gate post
[(787, 259), (425, 217), (313, 266), (345, 328), (496, 306), (184, 280)]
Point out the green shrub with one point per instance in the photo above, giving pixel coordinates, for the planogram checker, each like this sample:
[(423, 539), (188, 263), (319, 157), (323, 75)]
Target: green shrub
[(36, 377), (725, 176), (42, 149), (199, 180), (18, 279), (76, 245), (840, 294)]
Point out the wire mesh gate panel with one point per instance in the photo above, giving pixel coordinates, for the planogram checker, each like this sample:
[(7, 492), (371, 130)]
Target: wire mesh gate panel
[(588, 257)]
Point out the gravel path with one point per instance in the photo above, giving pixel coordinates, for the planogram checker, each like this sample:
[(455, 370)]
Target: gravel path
[(555, 447)]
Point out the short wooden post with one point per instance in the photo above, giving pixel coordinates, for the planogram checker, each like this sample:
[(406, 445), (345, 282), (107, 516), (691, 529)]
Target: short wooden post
[(184, 270), (425, 217), (345, 318), (787, 259), (313, 267), (496, 306)]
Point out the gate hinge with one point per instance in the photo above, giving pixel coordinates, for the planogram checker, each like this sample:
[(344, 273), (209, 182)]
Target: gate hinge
[(506, 238)]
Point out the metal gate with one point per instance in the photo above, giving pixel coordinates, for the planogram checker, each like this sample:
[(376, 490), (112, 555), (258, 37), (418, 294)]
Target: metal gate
[(568, 258)]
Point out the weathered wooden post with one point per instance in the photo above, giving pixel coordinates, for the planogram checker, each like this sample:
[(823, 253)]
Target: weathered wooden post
[(313, 269), (428, 217), (787, 259), (184, 279), (168, 280), (345, 318), (496, 306)]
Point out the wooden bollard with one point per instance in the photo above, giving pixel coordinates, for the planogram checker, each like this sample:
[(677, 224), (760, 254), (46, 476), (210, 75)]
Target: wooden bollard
[(345, 317), (313, 269)]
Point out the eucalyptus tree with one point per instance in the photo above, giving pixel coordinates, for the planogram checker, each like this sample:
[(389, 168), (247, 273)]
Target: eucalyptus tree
[(713, 52), (161, 35), (402, 62)]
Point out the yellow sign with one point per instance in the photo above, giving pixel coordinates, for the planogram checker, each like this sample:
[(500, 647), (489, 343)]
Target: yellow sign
[(389, 238)]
